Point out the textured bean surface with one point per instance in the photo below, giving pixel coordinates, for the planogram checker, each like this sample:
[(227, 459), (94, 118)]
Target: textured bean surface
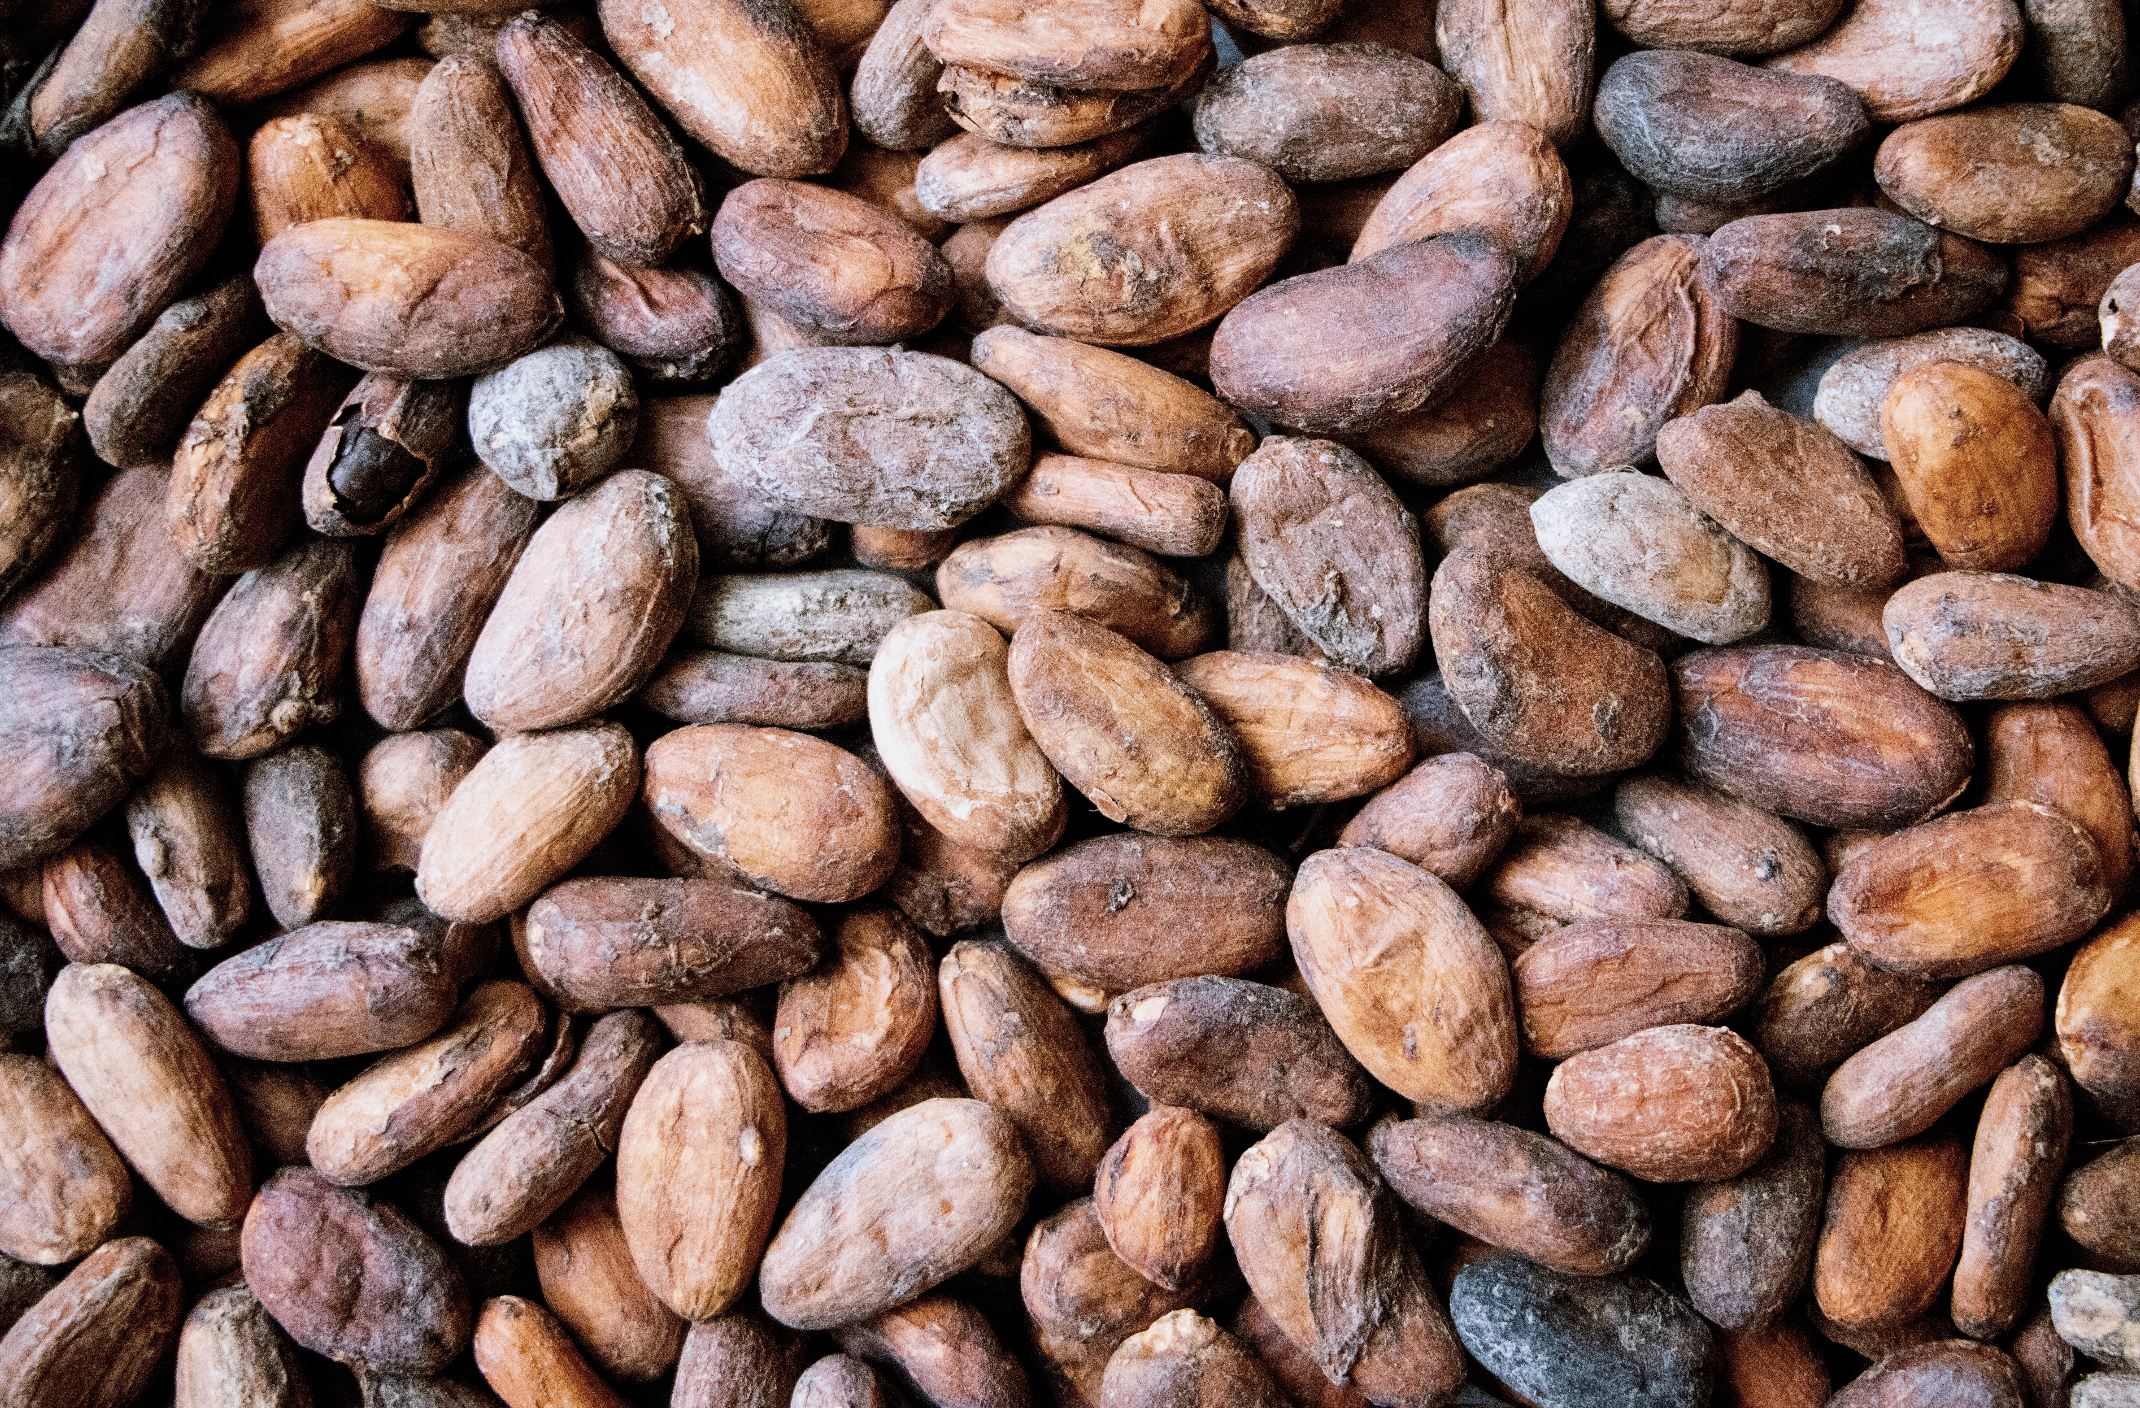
[(1415, 703)]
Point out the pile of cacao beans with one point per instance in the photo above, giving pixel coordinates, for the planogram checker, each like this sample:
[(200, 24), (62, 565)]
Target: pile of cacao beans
[(1069, 704)]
